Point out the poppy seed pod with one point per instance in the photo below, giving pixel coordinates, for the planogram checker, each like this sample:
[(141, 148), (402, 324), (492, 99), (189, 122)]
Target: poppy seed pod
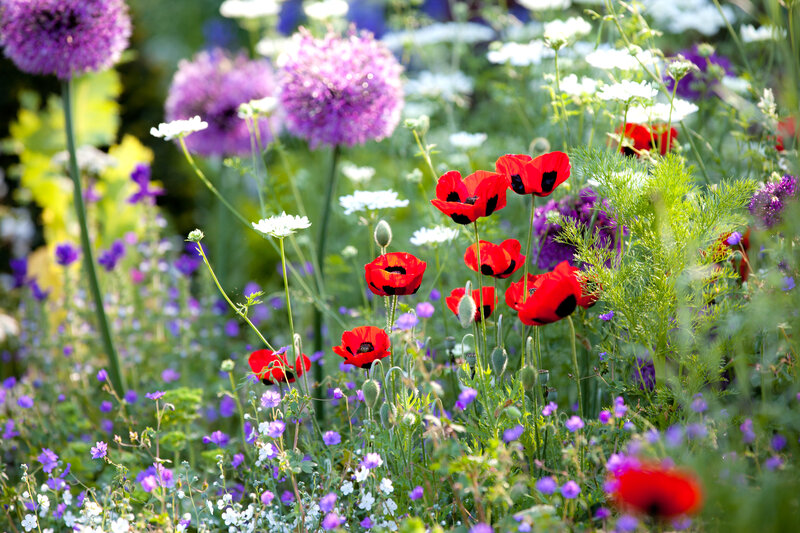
[(528, 377), (383, 233), (387, 415), (499, 360), (471, 359), (372, 391)]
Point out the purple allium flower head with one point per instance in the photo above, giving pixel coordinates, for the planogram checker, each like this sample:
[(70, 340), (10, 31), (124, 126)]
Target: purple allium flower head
[(145, 194), (48, 459), (213, 85), (340, 90), (331, 438), (606, 316), (570, 490), (768, 202), (696, 84), (267, 497), (327, 502), (270, 399), (372, 460), (66, 253), (549, 409), (514, 433), (25, 401), (416, 493), (627, 523), (546, 485), (406, 321), (64, 37), (332, 521), (481, 528), (99, 450), (587, 210), (425, 309), (574, 423), (275, 429), (466, 397)]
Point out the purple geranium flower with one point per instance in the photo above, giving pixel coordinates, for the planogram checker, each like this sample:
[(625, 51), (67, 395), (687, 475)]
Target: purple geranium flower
[(154, 395), (570, 490), (145, 194), (66, 253), (425, 309), (99, 450), (514, 433), (331, 438), (327, 502), (372, 460), (267, 497), (416, 493), (25, 401), (466, 397), (546, 485), (275, 429), (218, 437), (48, 459), (331, 521)]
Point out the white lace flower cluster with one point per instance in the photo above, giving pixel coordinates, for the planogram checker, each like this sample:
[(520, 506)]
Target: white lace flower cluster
[(370, 201), (281, 226), (178, 128)]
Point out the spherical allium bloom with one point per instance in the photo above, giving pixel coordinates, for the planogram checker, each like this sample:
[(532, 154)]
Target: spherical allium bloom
[(768, 202), (466, 200), (654, 490), (551, 296), (363, 346), (487, 299), (640, 138), (496, 260), (340, 90), (272, 367), (64, 37), (539, 176), (213, 85), (395, 273), (697, 83), (588, 211)]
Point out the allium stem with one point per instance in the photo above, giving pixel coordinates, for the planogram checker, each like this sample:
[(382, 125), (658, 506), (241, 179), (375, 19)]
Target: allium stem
[(88, 259), (322, 240)]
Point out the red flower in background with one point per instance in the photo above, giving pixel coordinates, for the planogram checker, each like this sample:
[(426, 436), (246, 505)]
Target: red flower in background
[(479, 195), (273, 367), (363, 346), (489, 300), (644, 138), (589, 294), (729, 242), (497, 260), (657, 491), (539, 176), (787, 131), (394, 273), (551, 296)]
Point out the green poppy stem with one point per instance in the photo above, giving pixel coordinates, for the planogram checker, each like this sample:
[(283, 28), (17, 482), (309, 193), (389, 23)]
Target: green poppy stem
[(115, 373)]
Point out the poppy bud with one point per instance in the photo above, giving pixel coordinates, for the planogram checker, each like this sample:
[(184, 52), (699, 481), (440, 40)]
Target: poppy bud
[(539, 146), (387, 415), (383, 234), (195, 236), (551, 395), (499, 361), (298, 344), (513, 413), (410, 419), (372, 391), (466, 310), (528, 377)]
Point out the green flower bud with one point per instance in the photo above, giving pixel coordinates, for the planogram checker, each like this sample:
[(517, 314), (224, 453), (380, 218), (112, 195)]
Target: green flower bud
[(499, 361), (383, 233), (705, 49), (466, 310), (528, 377), (227, 366), (513, 413), (471, 360), (372, 391), (410, 419), (387, 415), (539, 146), (195, 236)]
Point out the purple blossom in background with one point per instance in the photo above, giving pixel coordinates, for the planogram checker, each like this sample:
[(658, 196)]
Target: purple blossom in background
[(218, 437), (406, 321), (169, 375), (778, 442), (48, 459), (699, 404), (425, 309), (106, 406), (155, 476), (371, 460), (673, 436), (232, 328), (696, 431), (154, 395), (267, 497), (238, 458), (99, 450), (337, 394), (36, 291), (574, 423), (213, 85), (768, 202), (9, 432), (549, 409), (416, 493), (66, 253), (102, 375), (109, 258), (19, 272), (270, 399), (466, 397), (331, 438), (644, 374), (331, 521), (340, 90), (604, 416), (145, 194), (570, 490), (627, 523), (788, 283), (748, 435), (588, 211), (187, 264), (481, 528), (620, 409), (366, 523), (697, 83), (773, 463), (131, 396), (287, 498), (10, 382), (602, 513), (606, 316), (64, 37), (227, 406), (514, 433), (327, 502), (734, 238), (107, 425), (275, 429), (25, 401), (546, 485)]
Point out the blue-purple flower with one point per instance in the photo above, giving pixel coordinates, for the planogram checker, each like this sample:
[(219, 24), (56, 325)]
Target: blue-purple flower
[(768, 202), (275, 429), (570, 490), (145, 193), (99, 450), (48, 458), (331, 438), (697, 83), (218, 437), (109, 258), (466, 397), (514, 433), (66, 253), (327, 502), (546, 485)]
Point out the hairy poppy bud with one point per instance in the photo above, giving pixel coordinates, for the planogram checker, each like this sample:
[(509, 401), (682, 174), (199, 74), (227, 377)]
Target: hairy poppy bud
[(499, 360), (466, 310), (410, 419), (528, 377), (372, 391), (513, 413), (387, 415), (383, 233), (539, 146)]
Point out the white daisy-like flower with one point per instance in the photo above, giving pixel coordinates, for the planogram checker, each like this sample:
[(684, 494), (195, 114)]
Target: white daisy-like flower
[(543, 5), (361, 474), (389, 507), (90, 159), (326, 9), (608, 59), (120, 525), (557, 33), (386, 486), (627, 90), (466, 141), (178, 128), (370, 201), (29, 522), (357, 174), (282, 225), (447, 86), (249, 9), (435, 235), (437, 33), (261, 107), (347, 488), (571, 86), (520, 55), (660, 112), (765, 33), (367, 501)]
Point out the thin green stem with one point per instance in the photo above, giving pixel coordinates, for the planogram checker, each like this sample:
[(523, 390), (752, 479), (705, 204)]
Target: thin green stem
[(525, 267), (563, 106), (480, 308), (288, 299), (575, 366), (115, 373), (238, 408)]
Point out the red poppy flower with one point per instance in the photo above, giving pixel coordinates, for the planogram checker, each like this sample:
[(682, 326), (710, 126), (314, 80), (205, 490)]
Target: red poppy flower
[(657, 491), (787, 130), (589, 293), (551, 296), (644, 138), (479, 195), (539, 176), (395, 273), (363, 346), (498, 261), (489, 300), (272, 367)]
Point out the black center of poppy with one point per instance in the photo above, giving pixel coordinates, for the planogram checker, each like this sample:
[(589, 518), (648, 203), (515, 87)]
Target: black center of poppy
[(397, 269), (460, 219), (365, 347), (510, 268), (654, 509), (567, 306), (491, 205), (549, 180), (453, 197), (471, 200), (516, 184), (487, 270)]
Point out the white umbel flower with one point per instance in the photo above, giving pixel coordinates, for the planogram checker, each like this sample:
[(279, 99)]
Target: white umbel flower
[(519, 54), (282, 225), (249, 9), (357, 174), (370, 201), (557, 33), (90, 159), (544, 5), (765, 33), (620, 59), (466, 140), (659, 112), (437, 33), (627, 90), (447, 86), (256, 108), (327, 9), (571, 86), (435, 235), (178, 128)]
